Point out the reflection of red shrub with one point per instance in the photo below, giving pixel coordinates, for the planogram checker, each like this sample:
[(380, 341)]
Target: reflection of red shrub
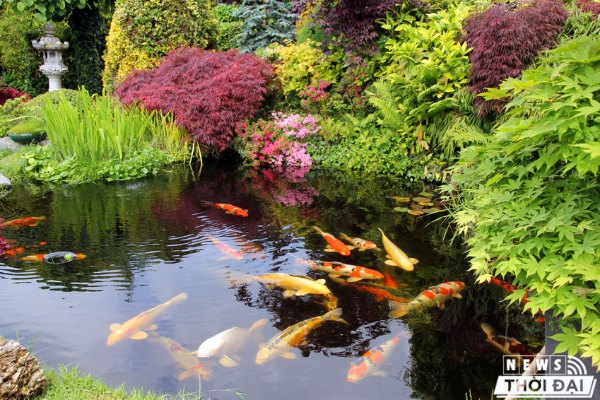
[(505, 41), (208, 92), (4, 245), (8, 93)]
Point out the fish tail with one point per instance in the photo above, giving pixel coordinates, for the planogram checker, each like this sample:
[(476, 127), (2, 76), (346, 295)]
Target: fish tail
[(399, 310), (488, 330), (258, 324), (318, 230), (335, 315), (345, 237)]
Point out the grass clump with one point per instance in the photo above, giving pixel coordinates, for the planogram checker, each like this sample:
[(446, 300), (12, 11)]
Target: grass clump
[(69, 384)]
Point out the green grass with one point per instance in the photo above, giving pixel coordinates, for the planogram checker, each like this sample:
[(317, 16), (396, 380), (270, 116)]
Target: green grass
[(69, 384)]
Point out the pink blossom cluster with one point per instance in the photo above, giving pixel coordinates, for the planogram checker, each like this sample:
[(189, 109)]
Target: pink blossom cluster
[(314, 95), (295, 125)]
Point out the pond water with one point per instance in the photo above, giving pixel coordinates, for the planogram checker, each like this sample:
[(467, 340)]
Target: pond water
[(150, 240)]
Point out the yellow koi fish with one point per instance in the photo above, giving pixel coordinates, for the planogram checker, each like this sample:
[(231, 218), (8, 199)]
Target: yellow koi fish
[(294, 285), (294, 336), (228, 343), (359, 243), (434, 296), (229, 251), (134, 327), (184, 359), (398, 258), (371, 362)]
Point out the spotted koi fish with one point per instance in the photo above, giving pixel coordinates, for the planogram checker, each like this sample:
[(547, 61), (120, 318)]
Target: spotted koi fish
[(183, 359), (371, 362), (507, 345), (27, 221), (359, 243), (397, 257), (433, 296), (353, 272), (294, 336), (229, 208), (227, 250), (334, 244)]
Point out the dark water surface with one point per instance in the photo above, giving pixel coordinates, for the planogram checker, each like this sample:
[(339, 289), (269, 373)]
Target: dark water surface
[(149, 240)]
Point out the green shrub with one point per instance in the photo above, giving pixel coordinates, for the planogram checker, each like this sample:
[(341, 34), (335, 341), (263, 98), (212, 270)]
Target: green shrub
[(531, 197), (228, 26), (19, 61), (143, 31), (265, 22)]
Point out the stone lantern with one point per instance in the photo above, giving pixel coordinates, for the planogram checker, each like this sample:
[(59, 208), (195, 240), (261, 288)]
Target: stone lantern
[(52, 49)]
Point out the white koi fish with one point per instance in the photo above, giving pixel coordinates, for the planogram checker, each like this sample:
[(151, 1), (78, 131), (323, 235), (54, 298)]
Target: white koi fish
[(371, 362), (134, 327), (228, 343)]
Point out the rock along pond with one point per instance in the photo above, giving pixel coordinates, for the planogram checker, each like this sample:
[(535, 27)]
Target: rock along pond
[(148, 241)]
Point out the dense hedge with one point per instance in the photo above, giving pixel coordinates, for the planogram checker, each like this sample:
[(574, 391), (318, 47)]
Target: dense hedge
[(143, 31)]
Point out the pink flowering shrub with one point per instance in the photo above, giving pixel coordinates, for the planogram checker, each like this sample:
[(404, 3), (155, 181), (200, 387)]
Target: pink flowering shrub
[(279, 142)]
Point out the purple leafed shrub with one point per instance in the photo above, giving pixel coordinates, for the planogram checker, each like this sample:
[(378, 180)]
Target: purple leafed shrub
[(589, 6), (208, 92), (351, 22), (9, 93), (505, 40)]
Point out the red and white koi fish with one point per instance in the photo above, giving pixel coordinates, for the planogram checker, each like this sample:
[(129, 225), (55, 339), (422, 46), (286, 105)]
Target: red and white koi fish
[(433, 296), (134, 328), (507, 345), (27, 221), (229, 208), (398, 258), (359, 243), (371, 362), (226, 249), (293, 336), (354, 272), (334, 244), (184, 358)]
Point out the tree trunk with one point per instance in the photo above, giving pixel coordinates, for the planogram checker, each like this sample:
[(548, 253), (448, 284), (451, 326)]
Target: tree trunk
[(21, 375)]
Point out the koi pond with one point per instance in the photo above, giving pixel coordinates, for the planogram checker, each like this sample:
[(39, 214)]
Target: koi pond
[(161, 245)]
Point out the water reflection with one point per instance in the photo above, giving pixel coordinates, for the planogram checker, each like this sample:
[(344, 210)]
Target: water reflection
[(149, 240)]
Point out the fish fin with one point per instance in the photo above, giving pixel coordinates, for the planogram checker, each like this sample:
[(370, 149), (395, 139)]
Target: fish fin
[(114, 327), (318, 230), (289, 355), (333, 276), (321, 281), (457, 295), (141, 335), (380, 373), (153, 327), (379, 298), (301, 292), (362, 249), (328, 249), (351, 247), (228, 362), (390, 262), (301, 343), (335, 315), (400, 310), (414, 260), (258, 324), (184, 375), (289, 293), (354, 279)]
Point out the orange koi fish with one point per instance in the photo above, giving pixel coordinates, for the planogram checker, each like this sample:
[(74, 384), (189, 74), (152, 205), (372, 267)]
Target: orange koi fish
[(27, 221), (379, 293), (184, 359), (229, 208), (388, 281), (371, 362), (334, 244), (14, 252), (134, 327), (508, 287), (354, 272), (294, 336), (433, 296), (226, 249), (361, 244), (396, 256)]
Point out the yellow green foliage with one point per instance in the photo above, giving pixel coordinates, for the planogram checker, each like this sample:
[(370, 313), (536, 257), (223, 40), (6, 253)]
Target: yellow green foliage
[(143, 31), (302, 65)]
